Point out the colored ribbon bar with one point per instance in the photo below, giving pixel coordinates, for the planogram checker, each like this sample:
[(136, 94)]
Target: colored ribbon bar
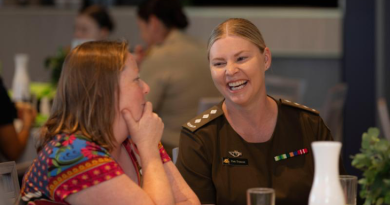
[(291, 154)]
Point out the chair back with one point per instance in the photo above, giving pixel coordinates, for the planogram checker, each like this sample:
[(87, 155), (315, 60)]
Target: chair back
[(384, 117), (206, 103), (175, 153), (9, 184), (285, 88), (332, 110)]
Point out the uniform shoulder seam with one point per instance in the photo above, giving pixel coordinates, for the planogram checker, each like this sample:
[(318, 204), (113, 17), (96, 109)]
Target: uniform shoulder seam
[(203, 119), (297, 105)]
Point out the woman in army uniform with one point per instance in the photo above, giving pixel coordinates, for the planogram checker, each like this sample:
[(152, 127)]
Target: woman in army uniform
[(249, 139)]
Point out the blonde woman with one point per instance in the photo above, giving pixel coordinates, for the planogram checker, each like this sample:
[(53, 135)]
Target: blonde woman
[(244, 141)]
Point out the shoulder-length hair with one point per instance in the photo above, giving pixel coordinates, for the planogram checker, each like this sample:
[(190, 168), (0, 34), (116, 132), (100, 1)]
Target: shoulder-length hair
[(87, 93)]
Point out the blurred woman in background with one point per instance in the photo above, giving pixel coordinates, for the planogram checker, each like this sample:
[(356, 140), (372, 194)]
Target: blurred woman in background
[(174, 65), (92, 23)]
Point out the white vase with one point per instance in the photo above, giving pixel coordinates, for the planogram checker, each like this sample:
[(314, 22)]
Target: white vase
[(326, 188), (21, 81)]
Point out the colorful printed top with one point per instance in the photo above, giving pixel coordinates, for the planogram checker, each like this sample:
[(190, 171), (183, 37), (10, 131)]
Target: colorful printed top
[(68, 164)]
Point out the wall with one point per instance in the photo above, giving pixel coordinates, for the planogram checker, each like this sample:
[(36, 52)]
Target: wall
[(305, 42)]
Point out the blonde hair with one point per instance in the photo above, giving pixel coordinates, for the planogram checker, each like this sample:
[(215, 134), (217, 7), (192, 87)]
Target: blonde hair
[(237, 27), (87, 93)]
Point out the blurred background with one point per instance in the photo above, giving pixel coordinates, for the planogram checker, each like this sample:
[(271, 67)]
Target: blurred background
[(332, 54)]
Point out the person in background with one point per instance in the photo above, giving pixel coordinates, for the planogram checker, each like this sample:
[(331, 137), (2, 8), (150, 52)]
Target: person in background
[(13, 143), (174, 65), (85, 154), (244, 141), (92, 23)]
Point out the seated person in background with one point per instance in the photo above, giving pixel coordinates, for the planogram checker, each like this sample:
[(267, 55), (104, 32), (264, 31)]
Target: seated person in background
[(92, 23), (232, 147), (13, 143), (85, 155), (174, 66)]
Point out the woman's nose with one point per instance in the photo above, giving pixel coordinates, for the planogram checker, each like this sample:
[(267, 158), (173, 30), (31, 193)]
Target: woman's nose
[(231, 69), (146, 88)]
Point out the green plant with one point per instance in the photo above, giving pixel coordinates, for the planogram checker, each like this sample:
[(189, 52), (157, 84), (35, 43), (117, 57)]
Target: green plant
[(374, 161), (54, 63)]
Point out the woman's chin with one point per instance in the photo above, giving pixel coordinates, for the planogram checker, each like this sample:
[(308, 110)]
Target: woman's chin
[(237, 101)]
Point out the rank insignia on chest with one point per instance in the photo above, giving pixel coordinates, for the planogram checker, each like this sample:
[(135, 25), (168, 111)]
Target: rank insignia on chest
[(290, 154), (235, 153), (234, 161)]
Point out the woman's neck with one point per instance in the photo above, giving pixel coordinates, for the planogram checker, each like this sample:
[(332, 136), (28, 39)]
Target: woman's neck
[(120, 131), (162, 35), (249, 119), (116, 152)]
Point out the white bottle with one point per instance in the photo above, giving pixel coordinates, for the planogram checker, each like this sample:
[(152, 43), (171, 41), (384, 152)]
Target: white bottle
[(45, 106), (326, 188), (21, 81)]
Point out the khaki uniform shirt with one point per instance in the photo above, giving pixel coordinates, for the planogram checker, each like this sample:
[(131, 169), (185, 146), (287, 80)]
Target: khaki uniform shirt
[(220, 166), (178, 74)]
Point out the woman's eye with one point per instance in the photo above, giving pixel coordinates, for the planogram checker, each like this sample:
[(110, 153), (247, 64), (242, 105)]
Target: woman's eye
[(242, 58), (218, 64)]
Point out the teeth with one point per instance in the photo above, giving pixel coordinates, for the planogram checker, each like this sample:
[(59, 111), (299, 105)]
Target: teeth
[(237, 88), (237, 83)]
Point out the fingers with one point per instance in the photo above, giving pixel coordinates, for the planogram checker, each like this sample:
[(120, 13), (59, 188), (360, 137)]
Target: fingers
[(138, 50), (130, 121), (148, 108), (27, 114), (35, 113)]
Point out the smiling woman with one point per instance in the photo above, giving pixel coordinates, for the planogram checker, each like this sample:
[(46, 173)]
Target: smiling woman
[(236, 145), (238, 67)]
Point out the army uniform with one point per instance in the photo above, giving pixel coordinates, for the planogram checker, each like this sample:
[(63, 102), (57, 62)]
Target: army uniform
[(220, 166)]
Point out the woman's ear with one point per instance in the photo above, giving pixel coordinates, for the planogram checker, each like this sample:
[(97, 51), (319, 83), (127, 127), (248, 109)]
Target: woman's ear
[(154, 22), (104, 33), (267, 58)]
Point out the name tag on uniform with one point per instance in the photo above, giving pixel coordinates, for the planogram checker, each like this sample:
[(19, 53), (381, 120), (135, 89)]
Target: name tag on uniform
[(234, 161)]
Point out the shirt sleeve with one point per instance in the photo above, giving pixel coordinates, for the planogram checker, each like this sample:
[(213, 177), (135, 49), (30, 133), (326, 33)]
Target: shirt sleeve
[(8, 110), (77, 163), (195, 167)]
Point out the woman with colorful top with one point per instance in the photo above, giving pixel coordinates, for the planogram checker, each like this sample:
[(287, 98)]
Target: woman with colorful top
[(101, 143)]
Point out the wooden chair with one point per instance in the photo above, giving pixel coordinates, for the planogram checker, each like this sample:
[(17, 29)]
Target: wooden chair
[(384, 117), (285, 88), (332, 110), (9, 184)]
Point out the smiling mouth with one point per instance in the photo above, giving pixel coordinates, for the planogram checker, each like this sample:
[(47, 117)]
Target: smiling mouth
[(237, 85)]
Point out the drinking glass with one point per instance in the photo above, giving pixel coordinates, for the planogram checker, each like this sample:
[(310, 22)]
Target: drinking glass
[(349, 187), (260, 196)]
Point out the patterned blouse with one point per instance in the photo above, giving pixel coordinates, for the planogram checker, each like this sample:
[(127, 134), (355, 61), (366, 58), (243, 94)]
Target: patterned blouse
[(68, 164)]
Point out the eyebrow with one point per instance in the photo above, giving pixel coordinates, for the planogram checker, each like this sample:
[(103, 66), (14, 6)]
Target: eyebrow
[(235, 55), (137, 77)]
